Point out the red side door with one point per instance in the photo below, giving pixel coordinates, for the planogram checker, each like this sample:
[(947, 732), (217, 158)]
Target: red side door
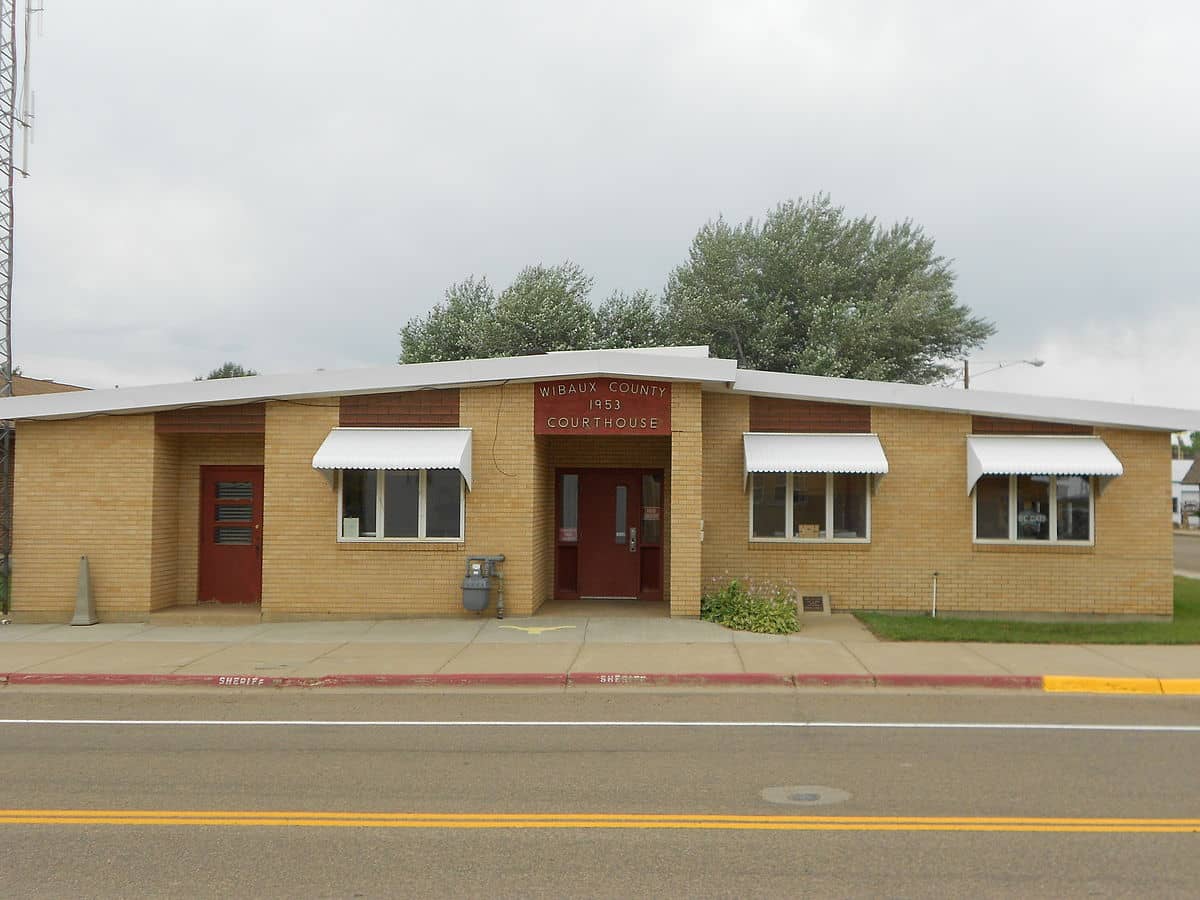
[(610, 509), (230, 534)]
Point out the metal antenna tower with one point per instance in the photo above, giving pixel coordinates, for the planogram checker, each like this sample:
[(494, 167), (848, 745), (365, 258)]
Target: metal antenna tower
[(11, 118)]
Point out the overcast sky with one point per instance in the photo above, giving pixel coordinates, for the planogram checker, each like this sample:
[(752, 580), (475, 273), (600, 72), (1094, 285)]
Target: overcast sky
[(284, 185)]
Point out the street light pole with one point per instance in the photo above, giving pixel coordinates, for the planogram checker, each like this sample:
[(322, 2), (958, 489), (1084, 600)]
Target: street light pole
[(966, 368)]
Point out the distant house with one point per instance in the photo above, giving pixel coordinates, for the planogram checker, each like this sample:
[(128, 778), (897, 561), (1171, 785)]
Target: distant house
[(1185, 488), (24, 387)]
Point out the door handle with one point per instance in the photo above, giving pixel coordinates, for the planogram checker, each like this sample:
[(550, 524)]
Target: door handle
[(633, 540)]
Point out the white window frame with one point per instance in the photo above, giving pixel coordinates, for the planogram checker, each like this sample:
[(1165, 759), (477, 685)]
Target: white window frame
[(790, 538), (1012, 516), (421, 503)]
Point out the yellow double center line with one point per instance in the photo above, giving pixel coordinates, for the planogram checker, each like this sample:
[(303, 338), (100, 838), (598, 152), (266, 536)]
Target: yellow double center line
[(318, 819)]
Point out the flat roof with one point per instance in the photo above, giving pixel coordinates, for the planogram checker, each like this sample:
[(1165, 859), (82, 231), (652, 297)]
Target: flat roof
[(683, 364)]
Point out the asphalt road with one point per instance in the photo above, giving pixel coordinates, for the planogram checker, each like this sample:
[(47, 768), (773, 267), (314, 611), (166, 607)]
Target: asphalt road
[(1187, 553), (914, 795)]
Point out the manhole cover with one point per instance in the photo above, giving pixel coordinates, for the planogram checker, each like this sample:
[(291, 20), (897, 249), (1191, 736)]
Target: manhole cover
[(804, 795)]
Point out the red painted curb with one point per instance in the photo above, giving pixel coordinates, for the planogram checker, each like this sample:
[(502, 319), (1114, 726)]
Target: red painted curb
[(532, 679), (670, 678), (809, 679), (1012, 682), (103, 678), (493, 679)]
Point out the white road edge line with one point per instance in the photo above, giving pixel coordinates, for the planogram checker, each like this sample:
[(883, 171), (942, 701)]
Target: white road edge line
[(530, 723)]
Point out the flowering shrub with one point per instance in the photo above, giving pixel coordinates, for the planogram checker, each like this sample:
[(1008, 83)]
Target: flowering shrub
[(765, 608)]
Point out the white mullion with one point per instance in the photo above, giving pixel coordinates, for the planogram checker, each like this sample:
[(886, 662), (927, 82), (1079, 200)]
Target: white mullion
[(421, 486), (789, 529), (341, 504), (869, 486), (462, 508), (1053, 504), (1092, 509), (829, 506), (750, 524), (1012, 507), (379, 529)]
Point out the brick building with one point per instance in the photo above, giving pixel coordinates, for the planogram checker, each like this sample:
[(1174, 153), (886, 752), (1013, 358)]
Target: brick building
[(24, 386), (617, 474)]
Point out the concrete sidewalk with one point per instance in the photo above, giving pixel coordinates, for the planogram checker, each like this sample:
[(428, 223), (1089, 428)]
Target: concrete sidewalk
[(550, 650)]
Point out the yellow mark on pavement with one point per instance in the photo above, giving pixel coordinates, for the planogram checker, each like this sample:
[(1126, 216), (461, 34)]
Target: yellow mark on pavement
[(319, 819), (1091, 685), (537, 629), (1180, 685), (1083, 684)]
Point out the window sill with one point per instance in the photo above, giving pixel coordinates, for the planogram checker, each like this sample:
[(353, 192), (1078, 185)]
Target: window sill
[(402, 546), (783, 544), (1036, 546)]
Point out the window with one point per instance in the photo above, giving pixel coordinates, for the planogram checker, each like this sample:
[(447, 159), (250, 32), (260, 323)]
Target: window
[(1033, 509), (410, 504), (769, 505), (807, 506)]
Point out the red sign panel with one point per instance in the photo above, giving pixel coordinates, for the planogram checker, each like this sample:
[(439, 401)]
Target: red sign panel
[(601, 406)]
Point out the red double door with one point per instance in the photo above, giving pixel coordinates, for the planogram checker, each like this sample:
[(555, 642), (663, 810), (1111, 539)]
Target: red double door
[(609, 533), (231, 517)]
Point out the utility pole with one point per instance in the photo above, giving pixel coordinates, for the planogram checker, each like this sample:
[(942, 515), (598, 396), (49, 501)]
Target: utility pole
[(966, 374), (11, 118)]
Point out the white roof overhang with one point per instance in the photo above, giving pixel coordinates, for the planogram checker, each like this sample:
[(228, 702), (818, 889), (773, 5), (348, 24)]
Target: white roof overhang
[(842, 453), (1038, 455), (677, 364), (955, 400), (664, 364), (397, 448)]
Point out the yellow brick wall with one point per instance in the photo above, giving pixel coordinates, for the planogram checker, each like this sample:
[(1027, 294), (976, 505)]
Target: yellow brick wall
[(685, 510), (85, 487), (543, 513), (508, 481), (308, 574), (921, 523), (164, 523), (193, 451)]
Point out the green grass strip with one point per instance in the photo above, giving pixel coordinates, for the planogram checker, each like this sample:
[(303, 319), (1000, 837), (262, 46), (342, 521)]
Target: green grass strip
[(1185, 629)]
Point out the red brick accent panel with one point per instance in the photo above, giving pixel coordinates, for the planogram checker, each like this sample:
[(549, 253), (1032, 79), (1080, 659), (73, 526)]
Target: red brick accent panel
[(808, 416), (993, 425), (244, 418), (404, 409)]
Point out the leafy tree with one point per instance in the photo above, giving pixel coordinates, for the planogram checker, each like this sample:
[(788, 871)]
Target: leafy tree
[(1188, 445), (806, 290), (630, 320), (226, 370), (810, 290), (544, 309), (460, 327)]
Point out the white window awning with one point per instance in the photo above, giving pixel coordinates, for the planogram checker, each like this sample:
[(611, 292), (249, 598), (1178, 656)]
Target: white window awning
[(989, 454), (397, 448), (841, 453)]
